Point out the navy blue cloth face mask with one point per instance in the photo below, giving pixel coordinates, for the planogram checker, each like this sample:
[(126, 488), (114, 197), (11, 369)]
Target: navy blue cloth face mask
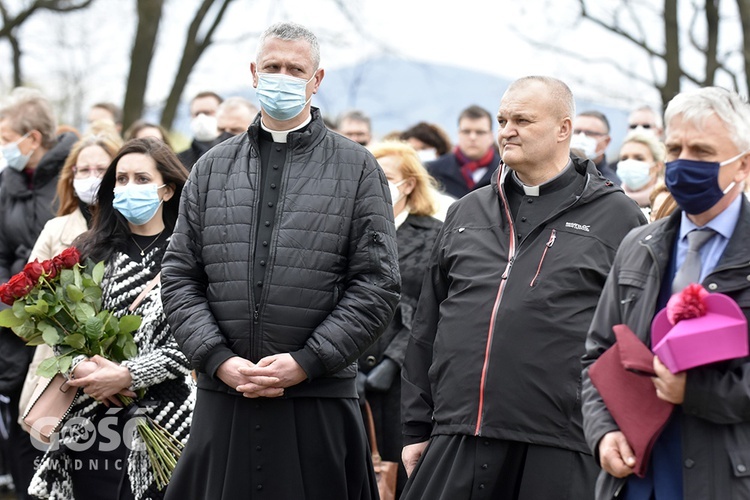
[(694, 184)]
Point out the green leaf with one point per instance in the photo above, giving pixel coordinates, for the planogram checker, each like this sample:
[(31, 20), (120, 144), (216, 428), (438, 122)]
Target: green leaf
[(64, 362), (92, 294), (19, 309), (93, 327), (51, 337), (106, 344), (74, 293), (47, 368), (43, 327), (26, 330), (78, 279), (76, 341), (129, 323), (67, 278), (39, 308), (97, 274), (130, 350), (8, 318), (35, 340)]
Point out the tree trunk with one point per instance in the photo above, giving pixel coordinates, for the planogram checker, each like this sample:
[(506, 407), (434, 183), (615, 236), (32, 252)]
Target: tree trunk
[(191, 53), (671, 85), (744, 8), (149, 16), (16, 50), (712, 42)]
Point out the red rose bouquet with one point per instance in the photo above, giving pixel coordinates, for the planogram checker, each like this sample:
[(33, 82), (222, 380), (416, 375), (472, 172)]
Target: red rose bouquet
[(58, 302)]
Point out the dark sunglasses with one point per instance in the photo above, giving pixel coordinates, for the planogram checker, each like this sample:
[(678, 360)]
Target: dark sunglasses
[(645, 125)]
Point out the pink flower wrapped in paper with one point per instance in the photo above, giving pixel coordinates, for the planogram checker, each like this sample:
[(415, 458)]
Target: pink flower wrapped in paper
[(697, 328)]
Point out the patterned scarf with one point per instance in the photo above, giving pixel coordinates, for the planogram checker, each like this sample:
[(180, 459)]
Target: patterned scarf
[(468, 166)]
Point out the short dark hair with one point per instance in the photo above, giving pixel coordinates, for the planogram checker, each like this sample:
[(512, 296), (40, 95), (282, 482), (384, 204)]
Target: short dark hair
[(109, 229), (475, 112), (430, 134), (207, 93), (597, 114)]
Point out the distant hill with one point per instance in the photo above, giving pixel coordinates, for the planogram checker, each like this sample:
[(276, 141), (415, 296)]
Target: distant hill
[(398, 93)]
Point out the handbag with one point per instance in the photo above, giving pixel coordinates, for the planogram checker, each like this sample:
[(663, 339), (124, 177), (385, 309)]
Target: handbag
[(49, 407), (385, 472)]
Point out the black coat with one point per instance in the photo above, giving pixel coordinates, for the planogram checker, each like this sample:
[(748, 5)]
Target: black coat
[(501, 324), (447, 171), (716, 410), (24, 211), (415, 237), (332, 279)]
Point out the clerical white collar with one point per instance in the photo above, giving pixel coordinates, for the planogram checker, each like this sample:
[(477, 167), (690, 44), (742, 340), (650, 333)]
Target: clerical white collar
[(280, 135), (534, 190)]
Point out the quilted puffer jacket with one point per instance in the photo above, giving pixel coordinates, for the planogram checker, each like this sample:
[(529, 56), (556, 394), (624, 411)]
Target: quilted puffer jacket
[(332, 279)]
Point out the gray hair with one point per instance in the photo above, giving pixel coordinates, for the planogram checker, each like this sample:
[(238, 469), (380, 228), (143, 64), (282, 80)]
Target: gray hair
[(558, 90), (658, 151), (30, 110), (697, 105), (654, 114), (291, 31)]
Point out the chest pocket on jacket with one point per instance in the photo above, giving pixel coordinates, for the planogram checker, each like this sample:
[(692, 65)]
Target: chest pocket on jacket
[(632, 284)]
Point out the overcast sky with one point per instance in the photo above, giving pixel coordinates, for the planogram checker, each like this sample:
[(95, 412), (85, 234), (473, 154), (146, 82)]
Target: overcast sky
[(486, 35)]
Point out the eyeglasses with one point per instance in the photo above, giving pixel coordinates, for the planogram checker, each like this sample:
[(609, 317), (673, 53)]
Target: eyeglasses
[(85, 172), (641, 125), (589, 133)]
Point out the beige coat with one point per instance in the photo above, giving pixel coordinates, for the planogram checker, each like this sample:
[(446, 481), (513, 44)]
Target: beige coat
[(57, 235)]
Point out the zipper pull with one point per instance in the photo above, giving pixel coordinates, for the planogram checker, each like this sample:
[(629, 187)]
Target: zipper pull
[(256, 315), (507, 269), (552, 238)]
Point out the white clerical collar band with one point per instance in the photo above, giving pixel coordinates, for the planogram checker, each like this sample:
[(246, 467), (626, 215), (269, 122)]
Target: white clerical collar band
[(280, 135)]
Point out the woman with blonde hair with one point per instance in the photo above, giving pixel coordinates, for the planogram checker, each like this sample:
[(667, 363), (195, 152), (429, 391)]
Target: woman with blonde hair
[(641, 167), (414, 204)]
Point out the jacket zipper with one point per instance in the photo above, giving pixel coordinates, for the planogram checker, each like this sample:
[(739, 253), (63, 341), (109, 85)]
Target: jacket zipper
[(498, 299), (547, 246)]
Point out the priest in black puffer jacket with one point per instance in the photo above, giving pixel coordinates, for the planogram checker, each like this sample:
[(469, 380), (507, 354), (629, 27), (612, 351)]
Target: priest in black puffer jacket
[(281, 271)]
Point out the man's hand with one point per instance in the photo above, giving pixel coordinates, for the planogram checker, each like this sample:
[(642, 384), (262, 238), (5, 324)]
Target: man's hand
[(616, 455), (278, 371), (250, 386), (411, 454), (670, 387)]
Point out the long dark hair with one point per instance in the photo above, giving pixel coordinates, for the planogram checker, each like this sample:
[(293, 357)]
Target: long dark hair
[(109, 229)]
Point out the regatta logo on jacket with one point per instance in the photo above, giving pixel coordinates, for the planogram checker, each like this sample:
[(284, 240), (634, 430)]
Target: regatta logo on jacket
[(580, 227)]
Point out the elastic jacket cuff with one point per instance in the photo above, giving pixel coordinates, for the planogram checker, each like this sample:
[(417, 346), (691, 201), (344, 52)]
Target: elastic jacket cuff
[(216, 358)]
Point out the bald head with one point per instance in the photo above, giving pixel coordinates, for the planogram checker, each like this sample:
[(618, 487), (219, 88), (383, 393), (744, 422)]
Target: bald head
[(558, 94)]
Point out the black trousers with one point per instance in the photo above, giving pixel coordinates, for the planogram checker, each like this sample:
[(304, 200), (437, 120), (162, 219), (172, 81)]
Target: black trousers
[(19, 454), (476, 468)]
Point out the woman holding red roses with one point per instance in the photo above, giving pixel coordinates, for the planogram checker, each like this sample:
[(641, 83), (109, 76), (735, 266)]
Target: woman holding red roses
[(132, 224)]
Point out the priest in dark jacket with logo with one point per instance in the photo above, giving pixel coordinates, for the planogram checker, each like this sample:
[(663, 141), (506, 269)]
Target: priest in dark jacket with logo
[(282, 270)]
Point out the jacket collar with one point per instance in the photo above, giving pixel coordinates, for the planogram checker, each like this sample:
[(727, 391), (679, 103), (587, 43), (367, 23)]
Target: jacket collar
[(303, 139)]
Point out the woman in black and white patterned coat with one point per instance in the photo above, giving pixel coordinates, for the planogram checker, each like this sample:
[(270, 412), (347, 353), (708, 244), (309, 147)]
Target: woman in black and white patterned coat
[(98, 455)]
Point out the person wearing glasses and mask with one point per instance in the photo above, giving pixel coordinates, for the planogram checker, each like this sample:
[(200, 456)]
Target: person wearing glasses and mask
[(34, 155), (282, 271), (472, 162), (591, 135), (645, 119), (135, 215), (77, 188)]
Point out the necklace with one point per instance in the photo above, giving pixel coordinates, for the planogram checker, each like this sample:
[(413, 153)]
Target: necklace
[(143, 250)]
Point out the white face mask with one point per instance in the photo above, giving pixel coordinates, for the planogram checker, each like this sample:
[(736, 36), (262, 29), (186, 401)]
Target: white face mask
[(634, 174), (396, 194), (87, 189), (3, 162), (204, 128), (426, 155), (586, 144)]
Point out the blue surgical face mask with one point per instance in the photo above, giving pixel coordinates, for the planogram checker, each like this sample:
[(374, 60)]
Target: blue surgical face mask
[(13, 156), (634, 174), (281, 96), (694, 184), (138, 203)]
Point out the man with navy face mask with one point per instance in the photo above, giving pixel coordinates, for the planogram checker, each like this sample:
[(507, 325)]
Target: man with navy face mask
[(281, 272), (702, 451)]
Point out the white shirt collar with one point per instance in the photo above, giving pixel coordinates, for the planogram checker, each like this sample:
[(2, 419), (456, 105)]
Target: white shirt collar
[(280, 135)]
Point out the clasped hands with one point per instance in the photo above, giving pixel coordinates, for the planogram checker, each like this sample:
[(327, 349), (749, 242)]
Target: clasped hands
[(615, 453), (267, 378), (103, 380)]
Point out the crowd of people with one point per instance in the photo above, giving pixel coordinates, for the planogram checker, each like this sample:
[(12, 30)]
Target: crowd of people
[(289, 269)]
